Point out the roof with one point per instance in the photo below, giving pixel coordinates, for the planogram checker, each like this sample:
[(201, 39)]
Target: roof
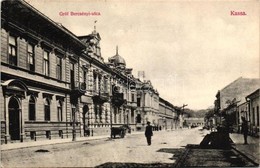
[(20, 10), (117, 59), (240, 80), (238, 90), (254, 94), (161, 100)]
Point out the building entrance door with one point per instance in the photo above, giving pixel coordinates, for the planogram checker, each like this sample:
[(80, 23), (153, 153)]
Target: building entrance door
[(14, 119), (86, 120)]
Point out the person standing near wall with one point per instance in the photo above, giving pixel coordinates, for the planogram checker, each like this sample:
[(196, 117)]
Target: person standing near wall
[(244, 129), (149, 133)]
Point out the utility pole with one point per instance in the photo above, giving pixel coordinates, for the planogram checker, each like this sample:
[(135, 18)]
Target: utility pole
[(181, 114), (184, 105)]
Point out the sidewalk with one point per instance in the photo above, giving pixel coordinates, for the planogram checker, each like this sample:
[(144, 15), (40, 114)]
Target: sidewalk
[(19, 145), (251, 150)]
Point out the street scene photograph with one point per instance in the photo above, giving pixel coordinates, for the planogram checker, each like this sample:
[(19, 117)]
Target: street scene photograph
[(130, 84)]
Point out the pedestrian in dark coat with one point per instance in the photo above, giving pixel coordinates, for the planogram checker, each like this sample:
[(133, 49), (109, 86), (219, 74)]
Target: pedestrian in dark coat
[(148, 133), (244, 129)]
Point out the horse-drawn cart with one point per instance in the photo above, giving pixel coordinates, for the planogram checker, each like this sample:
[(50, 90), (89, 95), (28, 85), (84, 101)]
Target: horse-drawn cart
[(121, 131)]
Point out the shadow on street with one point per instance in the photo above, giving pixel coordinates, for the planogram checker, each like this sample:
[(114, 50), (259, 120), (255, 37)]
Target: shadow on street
[(197, 156), (134, 165), (193, 156), (177, 152)]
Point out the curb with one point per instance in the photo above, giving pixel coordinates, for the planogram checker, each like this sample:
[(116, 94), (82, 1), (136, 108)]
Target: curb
[(62, 142), (181, 159), (35, 145), (244, 155)]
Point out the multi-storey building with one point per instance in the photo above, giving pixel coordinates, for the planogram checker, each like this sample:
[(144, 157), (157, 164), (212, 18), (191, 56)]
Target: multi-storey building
[(57, 85), (238, 89), (231, 97), (39, 63), (94, 81), (168, 117), (147, 104), (124, 94), (109, 97)]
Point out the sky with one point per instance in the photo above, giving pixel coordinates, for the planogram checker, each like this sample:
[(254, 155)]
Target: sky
[(188, 49)]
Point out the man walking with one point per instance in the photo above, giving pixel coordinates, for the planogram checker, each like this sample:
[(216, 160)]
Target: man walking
[(148, 133), (244, 129)]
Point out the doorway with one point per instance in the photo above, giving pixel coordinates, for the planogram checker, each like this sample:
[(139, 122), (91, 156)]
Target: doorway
[(14, 119), (85, 123)]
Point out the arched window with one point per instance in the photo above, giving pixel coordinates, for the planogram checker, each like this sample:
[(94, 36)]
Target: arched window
[(59, 110), (32, 115), (47, 110)]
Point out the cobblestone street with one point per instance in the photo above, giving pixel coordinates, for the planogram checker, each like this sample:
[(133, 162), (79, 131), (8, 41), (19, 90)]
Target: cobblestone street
[(131, 149), (178, 148)]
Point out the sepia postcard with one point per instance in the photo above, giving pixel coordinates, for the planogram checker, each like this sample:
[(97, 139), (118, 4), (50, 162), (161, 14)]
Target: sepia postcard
[(131, 83)]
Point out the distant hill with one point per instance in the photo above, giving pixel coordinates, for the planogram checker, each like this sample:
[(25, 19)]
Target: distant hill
[(196, 113)]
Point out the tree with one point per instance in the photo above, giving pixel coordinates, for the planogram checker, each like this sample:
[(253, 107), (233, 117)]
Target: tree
[(210, 113)]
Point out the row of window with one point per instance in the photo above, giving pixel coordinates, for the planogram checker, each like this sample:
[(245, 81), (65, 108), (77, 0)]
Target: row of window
[(126, 118), (255, 117), (46, 64), (47, 109), (12, 58), (98, 112), (83, 76)]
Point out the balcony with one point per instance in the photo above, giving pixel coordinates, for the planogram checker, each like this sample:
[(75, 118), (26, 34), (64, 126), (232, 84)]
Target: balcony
[(100, 97), (78, 88), (132, 104), (118, 99)]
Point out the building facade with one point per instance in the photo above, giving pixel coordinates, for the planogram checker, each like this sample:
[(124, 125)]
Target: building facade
[(253, 100), (191, 122), (37, 75), (55, 84), (242, 111), (238, 90), (229, 103), (168, 117)]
